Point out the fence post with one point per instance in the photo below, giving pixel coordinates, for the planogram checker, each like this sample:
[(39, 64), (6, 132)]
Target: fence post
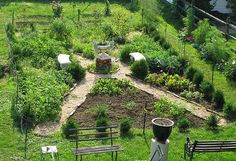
[(142, 16), (145, 118), (227, 27)]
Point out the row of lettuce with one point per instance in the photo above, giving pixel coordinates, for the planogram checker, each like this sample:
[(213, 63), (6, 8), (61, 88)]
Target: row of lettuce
[(164, 67), (41, 82)]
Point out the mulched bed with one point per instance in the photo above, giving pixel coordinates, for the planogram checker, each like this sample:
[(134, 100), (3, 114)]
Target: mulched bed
[(117, 109)]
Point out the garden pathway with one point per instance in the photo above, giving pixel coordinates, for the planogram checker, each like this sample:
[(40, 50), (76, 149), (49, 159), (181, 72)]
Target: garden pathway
[(78, 96)]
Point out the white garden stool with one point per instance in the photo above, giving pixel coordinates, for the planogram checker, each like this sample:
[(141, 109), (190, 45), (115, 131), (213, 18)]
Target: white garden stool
[(50, 150)]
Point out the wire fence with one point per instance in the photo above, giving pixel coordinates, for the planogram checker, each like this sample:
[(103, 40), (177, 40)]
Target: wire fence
[(227, 27)]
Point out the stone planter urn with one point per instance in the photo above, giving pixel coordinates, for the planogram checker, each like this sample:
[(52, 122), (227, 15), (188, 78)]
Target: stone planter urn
[(162, 128), (103, 62)]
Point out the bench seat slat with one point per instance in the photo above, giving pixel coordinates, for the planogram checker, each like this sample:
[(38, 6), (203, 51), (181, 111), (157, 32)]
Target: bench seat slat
[(94, 150), (222, 145)]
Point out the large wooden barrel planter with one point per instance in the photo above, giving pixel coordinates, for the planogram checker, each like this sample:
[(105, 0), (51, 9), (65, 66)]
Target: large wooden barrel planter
[(162, 128)]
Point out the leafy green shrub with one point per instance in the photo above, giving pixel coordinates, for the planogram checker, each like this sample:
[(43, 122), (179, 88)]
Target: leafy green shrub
[(183, 125), (124, 53), (167, 108), (197, 78), (172, 51), (189, 72), (70, 124), (166, 45), (125, 126), (76, 70), (212, 122), (230, 70), (207, 89), (111, 86), (195, 96), (230, 110), (88, 51), (78, 47), (40, 95), (1, 71), (219, 99), (140, 69), (62, 31), (172, 82)]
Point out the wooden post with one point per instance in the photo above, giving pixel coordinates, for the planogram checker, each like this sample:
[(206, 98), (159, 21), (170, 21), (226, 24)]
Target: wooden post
[(142, 16), (144, 119), (13, 17), (26, 138), (79, 14), (165, 30)]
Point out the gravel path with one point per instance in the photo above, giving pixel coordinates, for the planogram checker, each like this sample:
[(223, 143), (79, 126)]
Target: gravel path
[(78, 95)]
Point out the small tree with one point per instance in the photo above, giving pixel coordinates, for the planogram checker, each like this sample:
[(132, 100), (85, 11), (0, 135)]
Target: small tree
[(219, 99), (212, 122), (215, 51), (189, 21), (207, 89), (107, 8), (70, 124), (57, 9)]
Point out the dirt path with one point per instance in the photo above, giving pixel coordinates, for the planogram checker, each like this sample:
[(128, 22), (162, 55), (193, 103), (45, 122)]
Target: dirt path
[(78, 95)]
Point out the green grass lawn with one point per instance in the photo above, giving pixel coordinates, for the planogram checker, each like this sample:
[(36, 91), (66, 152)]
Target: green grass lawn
[(136, 147)]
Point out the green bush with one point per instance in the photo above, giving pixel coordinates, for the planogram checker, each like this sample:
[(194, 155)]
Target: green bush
[(189, 72), (201, 31), (70, 124), (101, 111), (76, 70), (40, 95), (88, 51), (111, 86), (212, 122), (125, 126), (230, 70), (166, 108), (78, 47), (197, 78), (230, 110), (124, 53), (219, 99), (140, 69), (183, 125), (207, 89), (101, 122)]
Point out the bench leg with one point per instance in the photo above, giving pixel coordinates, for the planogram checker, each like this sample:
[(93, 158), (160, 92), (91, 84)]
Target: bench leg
[(81, 158), (116, 156), (185, 152), (112, 156)]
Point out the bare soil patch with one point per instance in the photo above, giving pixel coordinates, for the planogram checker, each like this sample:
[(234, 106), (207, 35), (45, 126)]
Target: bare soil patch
[(118, 107)]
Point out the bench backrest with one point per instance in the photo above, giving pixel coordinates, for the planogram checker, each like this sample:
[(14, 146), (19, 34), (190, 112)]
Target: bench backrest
[(214, 146), (95, 133)]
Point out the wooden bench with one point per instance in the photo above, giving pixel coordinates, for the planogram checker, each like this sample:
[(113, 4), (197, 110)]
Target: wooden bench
[(208, 146), (93, 134)]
